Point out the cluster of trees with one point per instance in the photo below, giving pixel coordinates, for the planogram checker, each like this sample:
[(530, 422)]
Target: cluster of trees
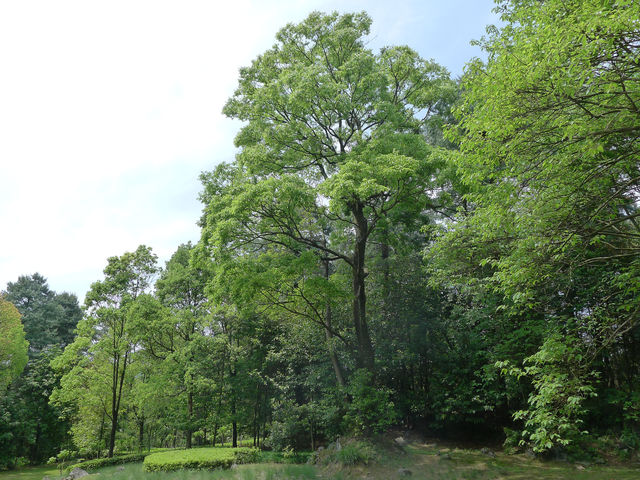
[(389, 247), (36, 323)]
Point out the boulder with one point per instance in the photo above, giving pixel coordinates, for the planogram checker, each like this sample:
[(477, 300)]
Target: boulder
[(488, 452), (76, 473), (404, 472), (400, 441)]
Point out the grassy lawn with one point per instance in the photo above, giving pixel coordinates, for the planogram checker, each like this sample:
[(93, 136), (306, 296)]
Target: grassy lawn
[(240, 472), (426, 462), (30, 473)]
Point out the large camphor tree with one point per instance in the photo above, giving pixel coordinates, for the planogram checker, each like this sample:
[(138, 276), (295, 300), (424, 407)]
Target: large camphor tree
[(333, 145)]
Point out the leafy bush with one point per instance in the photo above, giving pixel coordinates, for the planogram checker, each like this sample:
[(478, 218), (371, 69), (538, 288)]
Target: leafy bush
[(247, 455), (371, 410), (561, 383), (90, 465), (353, 452), (198, 459)]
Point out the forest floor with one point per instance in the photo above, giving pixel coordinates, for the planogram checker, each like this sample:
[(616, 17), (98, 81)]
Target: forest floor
[(425, 461)]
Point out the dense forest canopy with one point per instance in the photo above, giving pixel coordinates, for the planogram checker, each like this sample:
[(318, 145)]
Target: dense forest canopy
[(390, 247)]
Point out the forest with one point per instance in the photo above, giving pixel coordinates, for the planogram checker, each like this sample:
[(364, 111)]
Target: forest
[(392, 248)]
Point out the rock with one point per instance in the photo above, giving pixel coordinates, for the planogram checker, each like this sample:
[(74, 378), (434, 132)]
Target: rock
[(401, 442), (404, 472), (338, 446), (580, 467), (488, 452), (320, 449), (444, 456), (77, 473), (120, 469)]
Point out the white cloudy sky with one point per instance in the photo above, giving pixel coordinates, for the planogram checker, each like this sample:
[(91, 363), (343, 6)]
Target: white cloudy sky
[(109, 110)]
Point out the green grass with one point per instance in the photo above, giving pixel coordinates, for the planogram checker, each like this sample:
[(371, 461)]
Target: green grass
[(240, 472), (30, 473), (422, 459)]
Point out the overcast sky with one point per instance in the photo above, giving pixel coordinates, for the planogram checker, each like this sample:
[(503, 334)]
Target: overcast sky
[(109, 111)]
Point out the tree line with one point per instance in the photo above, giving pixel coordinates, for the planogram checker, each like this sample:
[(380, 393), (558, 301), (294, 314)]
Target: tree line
[(390, 247)]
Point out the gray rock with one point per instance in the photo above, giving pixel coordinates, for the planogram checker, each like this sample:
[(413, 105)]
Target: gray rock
[(488, 452), (120, 469), (338, 446), (400, 441), (320, 449), (404, 472), (77, 473), (444, 456)]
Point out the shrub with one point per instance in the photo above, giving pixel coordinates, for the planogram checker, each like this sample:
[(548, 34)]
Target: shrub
[(198, 459), (354, 452), (371, 410), (90, 465), (247, 455)]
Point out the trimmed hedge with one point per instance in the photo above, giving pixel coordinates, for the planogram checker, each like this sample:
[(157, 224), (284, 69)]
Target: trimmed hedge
[(89, 465), (199, 459)]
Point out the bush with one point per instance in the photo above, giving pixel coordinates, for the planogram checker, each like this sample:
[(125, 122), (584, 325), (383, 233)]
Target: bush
[(353, 452), (90, 465), (247, 455), (371, 410), (198, 459)]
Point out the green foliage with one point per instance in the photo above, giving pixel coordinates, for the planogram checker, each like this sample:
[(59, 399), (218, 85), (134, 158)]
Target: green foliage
[(49, 318), (197, 459), (370, 410), (352, 452), (13, 346), (556, 406), (93, 465)]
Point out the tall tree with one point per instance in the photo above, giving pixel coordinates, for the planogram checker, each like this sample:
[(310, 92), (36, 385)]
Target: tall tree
[(105, 346), (49, 317), (13, 346), (332, 138), (549, 136)]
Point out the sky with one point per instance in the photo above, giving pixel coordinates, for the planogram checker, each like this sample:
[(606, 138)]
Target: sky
[(109, 111)]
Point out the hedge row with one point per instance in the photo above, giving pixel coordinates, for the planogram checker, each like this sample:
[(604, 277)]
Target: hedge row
[(199, 459), (89, 465)]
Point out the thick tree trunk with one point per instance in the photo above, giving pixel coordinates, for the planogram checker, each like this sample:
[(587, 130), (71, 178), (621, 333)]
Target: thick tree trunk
[(364, 357)]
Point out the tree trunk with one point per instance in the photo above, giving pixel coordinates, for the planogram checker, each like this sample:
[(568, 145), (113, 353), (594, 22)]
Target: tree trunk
[(335, 362), (116, 391), (364, 357), (189, 431), (141, 434)]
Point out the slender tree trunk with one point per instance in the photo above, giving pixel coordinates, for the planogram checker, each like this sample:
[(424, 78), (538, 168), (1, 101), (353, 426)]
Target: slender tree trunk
[(335, 362), (141, 434), (365, 357), (234, 424), (116, 395), (189, 431), (101, 435)]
